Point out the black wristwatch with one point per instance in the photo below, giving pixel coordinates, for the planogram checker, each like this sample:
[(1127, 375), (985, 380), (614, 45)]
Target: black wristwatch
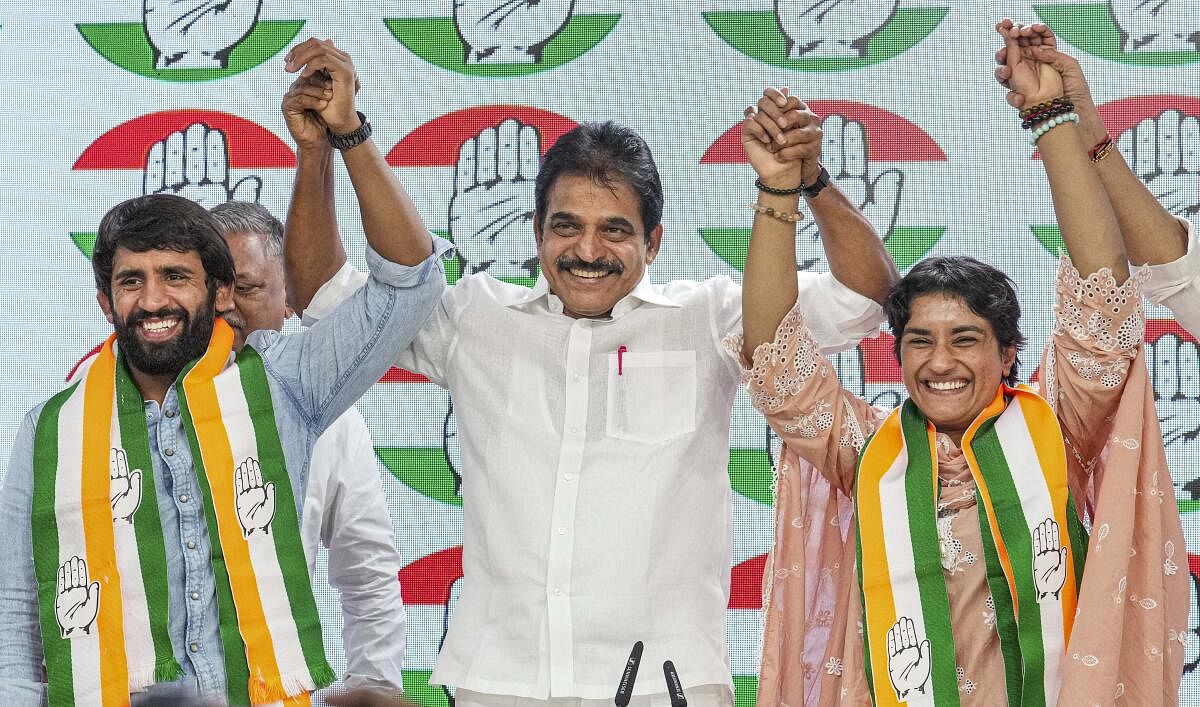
[(353, 138), (815, 188)]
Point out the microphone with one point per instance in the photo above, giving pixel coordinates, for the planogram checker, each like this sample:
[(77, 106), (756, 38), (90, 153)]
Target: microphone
[(625, 688), (674, 688)]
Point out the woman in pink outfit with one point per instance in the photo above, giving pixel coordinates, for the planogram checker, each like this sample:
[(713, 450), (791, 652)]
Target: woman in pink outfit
[(936, 553)]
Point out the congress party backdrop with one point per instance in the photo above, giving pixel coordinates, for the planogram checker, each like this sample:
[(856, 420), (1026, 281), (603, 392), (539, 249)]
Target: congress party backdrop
[(104, 101)]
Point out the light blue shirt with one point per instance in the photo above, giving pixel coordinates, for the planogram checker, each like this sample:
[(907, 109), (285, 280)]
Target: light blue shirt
[(314, 377)]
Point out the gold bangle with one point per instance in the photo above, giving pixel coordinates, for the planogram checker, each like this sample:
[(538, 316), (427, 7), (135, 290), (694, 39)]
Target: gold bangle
[(776, 214), (1103, 151)]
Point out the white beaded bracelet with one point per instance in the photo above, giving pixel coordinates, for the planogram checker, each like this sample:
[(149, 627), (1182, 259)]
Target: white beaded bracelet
[(1052, 124)]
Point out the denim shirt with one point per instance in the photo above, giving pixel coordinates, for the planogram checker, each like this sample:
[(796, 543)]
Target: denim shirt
[(314, 376)]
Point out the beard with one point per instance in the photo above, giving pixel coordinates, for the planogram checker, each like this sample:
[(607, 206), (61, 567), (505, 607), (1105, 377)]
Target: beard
[(169, 357)]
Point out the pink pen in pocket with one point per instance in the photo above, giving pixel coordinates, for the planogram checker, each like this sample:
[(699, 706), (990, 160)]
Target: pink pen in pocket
[(620, 363)]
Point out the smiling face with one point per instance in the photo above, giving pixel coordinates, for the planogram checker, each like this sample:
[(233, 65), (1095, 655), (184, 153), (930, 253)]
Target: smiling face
[(952, 361), (592, 244), (161, 308), (259, 293)]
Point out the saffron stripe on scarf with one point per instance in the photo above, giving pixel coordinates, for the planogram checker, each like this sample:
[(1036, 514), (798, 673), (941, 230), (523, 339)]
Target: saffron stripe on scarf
[(46, 557), (237, 670), (214, 453), (878, 603), (98, 527)]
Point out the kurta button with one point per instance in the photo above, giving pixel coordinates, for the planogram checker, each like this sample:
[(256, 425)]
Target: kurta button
[(574, 430), (567, 477), (557, 592), (169, 451), (575, 377), (562, 531)]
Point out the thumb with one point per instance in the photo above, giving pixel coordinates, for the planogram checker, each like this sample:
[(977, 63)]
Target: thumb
[(269, 490), (246, 189), (135, 478), (93, 591), (1062, 555), (925, 648), (1061, 63)]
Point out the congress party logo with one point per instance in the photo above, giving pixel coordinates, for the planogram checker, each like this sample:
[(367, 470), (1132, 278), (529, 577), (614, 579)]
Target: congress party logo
[(205, 156), (1159, 137), (191, 40), (1159, 33), (503, 38), (1173, 359), (489, 156), (430, 587), (817, 35)]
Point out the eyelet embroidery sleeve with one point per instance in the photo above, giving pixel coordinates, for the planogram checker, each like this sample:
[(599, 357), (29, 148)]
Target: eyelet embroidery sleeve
[(797, 390), (1098, 329)]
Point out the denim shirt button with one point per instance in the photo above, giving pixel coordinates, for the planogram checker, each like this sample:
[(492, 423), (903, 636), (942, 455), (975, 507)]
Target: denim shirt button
[(169, 451), (195, 648)]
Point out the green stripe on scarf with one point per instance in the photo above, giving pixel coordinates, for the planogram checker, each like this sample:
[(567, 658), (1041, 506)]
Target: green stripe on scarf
[(55, 648), (1014, 528), (922, 499), (152, 549), (237, 669), (288, 546), (1006, 618)]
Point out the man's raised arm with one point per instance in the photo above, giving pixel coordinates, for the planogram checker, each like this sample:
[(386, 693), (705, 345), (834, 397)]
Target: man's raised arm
[(782, 140), (322, 99)]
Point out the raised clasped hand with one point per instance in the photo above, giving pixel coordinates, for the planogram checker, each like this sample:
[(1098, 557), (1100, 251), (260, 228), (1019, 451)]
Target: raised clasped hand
[(1029, 70)]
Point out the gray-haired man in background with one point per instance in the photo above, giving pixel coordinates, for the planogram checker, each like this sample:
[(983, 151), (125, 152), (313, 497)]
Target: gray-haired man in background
[(344, 506)]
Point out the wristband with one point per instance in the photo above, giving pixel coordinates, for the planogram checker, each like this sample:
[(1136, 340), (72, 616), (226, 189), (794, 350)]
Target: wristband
[(353, 138), (811, 191)]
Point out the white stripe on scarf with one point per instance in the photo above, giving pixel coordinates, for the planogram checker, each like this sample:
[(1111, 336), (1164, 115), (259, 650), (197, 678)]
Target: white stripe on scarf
[(68, 485)]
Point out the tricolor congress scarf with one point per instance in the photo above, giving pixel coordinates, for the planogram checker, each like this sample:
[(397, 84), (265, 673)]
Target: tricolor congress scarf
[(99, 554), (1034, 546)]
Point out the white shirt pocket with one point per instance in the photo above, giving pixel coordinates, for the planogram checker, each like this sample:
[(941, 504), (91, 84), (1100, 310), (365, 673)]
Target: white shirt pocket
[(651, 396)]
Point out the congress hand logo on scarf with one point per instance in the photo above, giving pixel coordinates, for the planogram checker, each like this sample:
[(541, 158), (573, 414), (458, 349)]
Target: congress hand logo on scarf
[(1034, 546), (99, 554)]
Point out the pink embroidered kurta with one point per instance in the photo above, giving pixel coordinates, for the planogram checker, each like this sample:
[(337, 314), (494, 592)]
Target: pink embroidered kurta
[(1127, 645)]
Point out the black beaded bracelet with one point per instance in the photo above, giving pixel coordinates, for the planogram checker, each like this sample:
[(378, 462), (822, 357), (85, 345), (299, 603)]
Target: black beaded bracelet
[(777, 192)]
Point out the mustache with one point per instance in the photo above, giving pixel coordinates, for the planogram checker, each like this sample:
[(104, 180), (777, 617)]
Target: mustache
[(141, 315), (233, 319), (602, 265)]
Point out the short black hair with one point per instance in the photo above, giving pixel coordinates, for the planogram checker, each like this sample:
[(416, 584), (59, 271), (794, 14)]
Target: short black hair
[(988, 292), (608, 153), (161, 222)]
